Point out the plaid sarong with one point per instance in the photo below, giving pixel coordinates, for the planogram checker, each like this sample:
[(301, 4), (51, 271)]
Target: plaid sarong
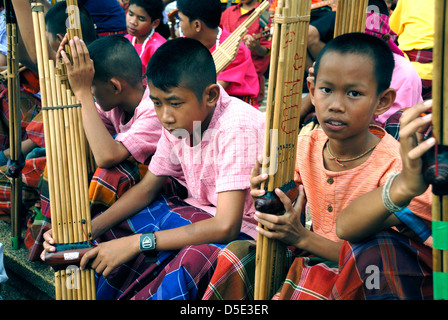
[(29, 108), (385, 266), (31, 174), (423, 56), (106, 186), (169, 275), (32, 170)]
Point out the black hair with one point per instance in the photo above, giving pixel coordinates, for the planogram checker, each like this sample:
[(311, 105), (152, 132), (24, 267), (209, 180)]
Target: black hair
[(381, 6), (182, 62), (115, 56), (208, 11), (154, 8), (56, 21), (363, 44)]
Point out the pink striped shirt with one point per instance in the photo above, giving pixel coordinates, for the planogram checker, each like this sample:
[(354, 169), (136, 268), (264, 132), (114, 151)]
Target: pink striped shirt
[(222, 161), (140, 134)]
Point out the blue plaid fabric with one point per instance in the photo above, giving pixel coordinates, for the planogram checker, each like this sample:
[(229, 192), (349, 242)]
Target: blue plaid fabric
[(168, 275)]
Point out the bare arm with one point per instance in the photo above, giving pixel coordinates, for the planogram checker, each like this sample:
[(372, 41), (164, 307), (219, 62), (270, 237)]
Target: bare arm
[(118, 251), (27, 146), (133, 201), (221, 228), (27, 46), (106, 150), (367, 215)]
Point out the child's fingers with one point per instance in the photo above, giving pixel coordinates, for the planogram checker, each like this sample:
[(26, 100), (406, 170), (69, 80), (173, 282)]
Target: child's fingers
[(81, 50), (74, 54), (284, 199), (420, 150), (66, 60), (414, 112), (61, 47)]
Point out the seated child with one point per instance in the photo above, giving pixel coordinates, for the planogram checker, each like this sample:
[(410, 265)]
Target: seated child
[(142, 18), (260, 48), (200, 21), (209, 145), (121, 126), (343, 160)]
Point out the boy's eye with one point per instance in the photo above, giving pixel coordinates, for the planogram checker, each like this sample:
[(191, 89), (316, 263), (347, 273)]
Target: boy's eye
[(325, 90), (176, 104), (354, 94)]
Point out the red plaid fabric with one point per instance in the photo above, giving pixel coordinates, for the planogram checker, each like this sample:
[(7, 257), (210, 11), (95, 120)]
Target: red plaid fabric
[(383, 267), (423, 56)]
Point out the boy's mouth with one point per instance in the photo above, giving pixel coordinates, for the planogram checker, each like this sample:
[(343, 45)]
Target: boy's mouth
[(334, 124)]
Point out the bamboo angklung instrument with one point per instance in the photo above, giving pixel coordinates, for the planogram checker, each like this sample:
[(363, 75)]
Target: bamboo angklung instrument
[(66, 151), (284, 99), (350, 16), (226, 52), (16, 162), (436, 162)]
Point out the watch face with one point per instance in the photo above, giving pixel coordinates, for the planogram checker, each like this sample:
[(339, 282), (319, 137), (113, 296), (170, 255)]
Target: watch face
[(147, 242)]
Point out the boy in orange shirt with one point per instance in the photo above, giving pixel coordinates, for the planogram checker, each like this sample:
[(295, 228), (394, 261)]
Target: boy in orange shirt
[(346, 159)]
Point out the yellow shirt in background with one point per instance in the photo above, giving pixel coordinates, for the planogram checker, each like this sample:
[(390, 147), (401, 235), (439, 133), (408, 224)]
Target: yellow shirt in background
[(413, 21)]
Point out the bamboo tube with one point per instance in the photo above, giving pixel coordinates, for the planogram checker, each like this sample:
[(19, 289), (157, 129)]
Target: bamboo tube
[(66, 160), (440, 132), (350, 16), (225, 53), (289, 43), (15, 130)]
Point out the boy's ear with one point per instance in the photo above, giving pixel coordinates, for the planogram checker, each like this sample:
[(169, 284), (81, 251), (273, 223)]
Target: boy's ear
[(155, 23), (385, 100), (211, 95), (197, 24), (117, 85), (311, 89), (60, 37)]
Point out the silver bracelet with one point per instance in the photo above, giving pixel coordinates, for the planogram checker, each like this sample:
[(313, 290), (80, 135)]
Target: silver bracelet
[(390, 206)]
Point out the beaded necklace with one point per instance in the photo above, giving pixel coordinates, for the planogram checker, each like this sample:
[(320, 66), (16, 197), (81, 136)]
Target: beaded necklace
[(338, 160), (144, 43)]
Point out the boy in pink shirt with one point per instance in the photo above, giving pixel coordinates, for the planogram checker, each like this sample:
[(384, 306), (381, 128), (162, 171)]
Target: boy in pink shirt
[(142, 18), (209, 145), (200, 20), (119, 119)]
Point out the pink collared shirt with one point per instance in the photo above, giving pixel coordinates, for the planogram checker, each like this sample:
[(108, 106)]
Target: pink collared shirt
[(140, 134), (222, 161)]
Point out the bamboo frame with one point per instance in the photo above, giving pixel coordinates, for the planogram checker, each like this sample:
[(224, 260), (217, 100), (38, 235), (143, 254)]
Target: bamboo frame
[(67, 153), (226, 52), (284, 99), (15, 130), (440, 123), (350, 16)]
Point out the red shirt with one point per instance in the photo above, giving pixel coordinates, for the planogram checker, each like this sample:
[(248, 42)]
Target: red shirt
[(231, 18)]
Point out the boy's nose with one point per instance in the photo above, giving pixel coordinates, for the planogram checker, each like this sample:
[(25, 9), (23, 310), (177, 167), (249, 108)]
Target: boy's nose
[(337, 104), (167, 116)]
